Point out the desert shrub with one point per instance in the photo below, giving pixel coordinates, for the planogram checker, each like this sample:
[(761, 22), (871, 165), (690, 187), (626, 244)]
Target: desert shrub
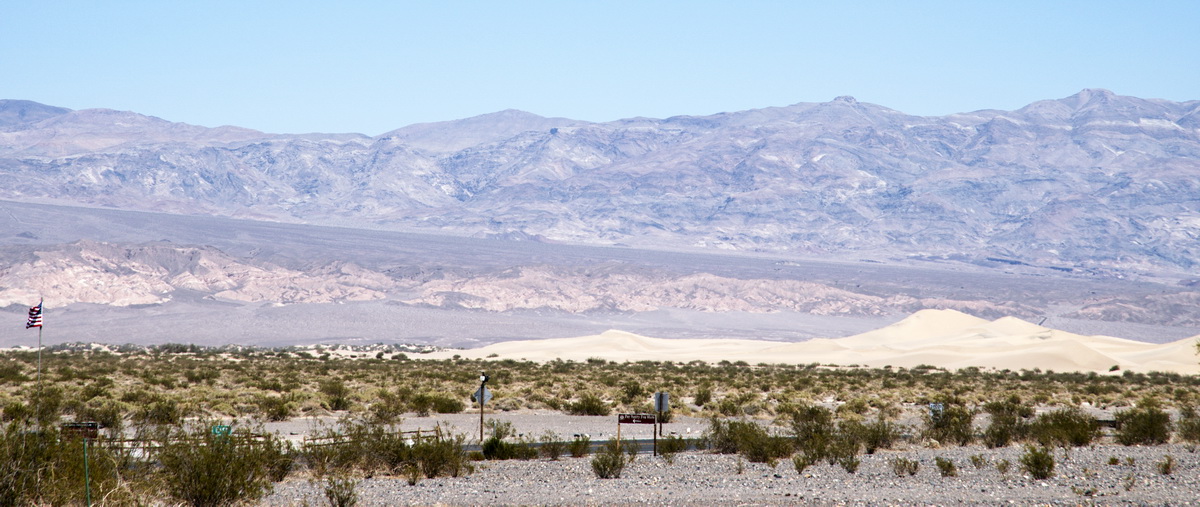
[(441, 455), (671, 445), (1002, 466), (814, 430), (747, 438), (46, 406), (978, 461), (1038, 462), (1064, 427), (496, 449), (877, 434), (275, 408), (1167, 465), (1007, 422), (15, 411), (802, 461), (387, 407), (904, 466), (37, 467), (552, 446), (610, 461), (1187, 428), (847, 460), (203, 468), (340, 491), (445, 404), (161, 411), (589, 404), (703, 396), (946, 467), (579, 446), (108, 413), (1145, 425), (631, 449), (336, 393), (950, 425)]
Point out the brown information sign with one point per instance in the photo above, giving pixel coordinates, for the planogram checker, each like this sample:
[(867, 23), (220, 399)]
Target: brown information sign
[(635, 418)]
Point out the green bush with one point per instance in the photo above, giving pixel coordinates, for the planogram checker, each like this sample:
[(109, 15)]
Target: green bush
[(37, 467), (589, 404), (360, 445), (951, 425), (1167, 465), (747, 438), (336, 393), (1038, 462), (946, 467), (1002, 466), (275, 408), (495, 449), (161, 411), (203, 468), (444, 404), (1008, 422), (1187, 428), (802, 461), (814, 430), (672, 444), (1064, 427), (878, 434), (1145, 425), (340, 491), (904, 466), (579, 446), (552, 446), (609, 462)]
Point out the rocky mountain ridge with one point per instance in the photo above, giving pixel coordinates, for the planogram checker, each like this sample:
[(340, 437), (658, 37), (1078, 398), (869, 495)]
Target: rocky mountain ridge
[(1094, 180), (145, 274)]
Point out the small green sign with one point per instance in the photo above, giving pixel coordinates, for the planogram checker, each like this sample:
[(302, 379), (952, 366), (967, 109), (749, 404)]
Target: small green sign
[(221, 430)]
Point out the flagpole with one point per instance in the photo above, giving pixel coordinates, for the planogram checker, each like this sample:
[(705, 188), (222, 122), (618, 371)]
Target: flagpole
[(39, 372)]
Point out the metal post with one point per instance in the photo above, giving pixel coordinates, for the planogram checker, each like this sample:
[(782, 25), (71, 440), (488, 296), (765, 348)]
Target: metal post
[(483, 378), (87, 477), (655, 434), (39, 372)]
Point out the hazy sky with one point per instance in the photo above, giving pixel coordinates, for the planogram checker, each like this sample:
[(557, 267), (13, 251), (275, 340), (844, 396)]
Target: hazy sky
[(370, 67)]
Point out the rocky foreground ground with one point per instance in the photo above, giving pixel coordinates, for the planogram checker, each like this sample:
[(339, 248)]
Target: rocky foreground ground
[(1081, 476)]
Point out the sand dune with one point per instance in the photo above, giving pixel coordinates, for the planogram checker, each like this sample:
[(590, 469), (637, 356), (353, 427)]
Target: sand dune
[(944, 338)]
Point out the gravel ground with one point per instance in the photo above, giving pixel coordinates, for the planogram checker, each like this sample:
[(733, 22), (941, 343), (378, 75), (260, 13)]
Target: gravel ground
[(1082, 476)]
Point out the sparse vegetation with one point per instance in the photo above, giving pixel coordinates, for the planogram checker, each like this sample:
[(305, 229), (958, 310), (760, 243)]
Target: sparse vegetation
[(946, 467), (1064, 427), (1038, 462), (1145, 425), (151, 392), (609, 462), (905, 466), (1167, 465)]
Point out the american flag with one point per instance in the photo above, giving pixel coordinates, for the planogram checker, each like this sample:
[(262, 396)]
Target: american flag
[(35, 316)]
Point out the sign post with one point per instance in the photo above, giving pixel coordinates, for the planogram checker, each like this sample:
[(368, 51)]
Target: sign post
[(482, 395), (637, 419), (87, 431), (662, 403)]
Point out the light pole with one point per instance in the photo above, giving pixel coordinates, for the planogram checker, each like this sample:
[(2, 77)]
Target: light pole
[(483, 378)]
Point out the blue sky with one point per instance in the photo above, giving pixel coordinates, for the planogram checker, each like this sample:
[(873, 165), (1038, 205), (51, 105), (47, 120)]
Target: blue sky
[(370, 67)]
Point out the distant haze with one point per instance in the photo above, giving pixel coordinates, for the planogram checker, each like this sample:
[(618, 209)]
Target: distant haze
[(793, 222)]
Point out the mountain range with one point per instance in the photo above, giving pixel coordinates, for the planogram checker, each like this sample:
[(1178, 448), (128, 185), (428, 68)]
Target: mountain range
[(1095, 187), (1094, 180)]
